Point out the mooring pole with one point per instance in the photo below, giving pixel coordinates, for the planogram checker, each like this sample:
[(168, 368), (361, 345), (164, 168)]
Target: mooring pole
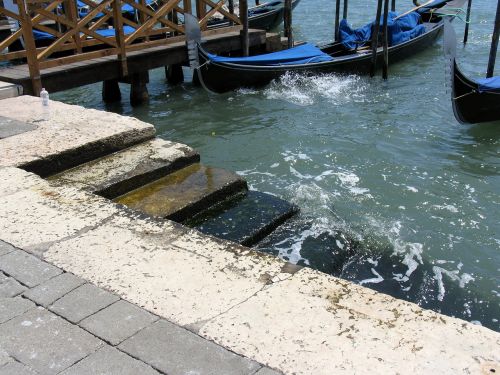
[(375, 32), (393, 5), (466, 32), (344, 15), (244, 23), (337, 16), (494, 44), (231, 10), (385, 68), (287, 20)]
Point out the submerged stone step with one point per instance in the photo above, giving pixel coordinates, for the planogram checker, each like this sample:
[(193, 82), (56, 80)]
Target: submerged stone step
[(245, 219), (116, 174), (184, 193)]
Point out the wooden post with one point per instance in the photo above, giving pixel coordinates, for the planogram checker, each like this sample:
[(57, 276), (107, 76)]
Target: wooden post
[(111, 91), (375, 33), (244, 23), (344, 14), (119, 35), (71, 13), (138, 88), (231, 10), (29, 43), (187, 6), (385, 67), (201, 10), (142, 16), (257, 2), (174, 74), (466, 32), (494, 44), (393, 5), (287, 20), (337, 16)]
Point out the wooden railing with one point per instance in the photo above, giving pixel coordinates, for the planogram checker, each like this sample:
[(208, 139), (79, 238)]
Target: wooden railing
[(74, 32)]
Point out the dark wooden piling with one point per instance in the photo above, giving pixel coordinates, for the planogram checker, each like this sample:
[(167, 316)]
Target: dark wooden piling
[(393, 5), (494, 44), (230, 7), (174, 74), (244, 23), (111, 91), (287, 20), (138, 88), (344, 14), (467, 20), (375, 33), (337, 17), (385, 67)]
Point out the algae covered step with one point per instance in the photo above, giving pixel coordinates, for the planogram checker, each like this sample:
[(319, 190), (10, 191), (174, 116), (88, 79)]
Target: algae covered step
[(245, 219), (123, 171), (184, 193)]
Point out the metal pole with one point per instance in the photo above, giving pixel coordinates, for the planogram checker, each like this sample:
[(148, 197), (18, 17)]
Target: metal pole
[(375, 32), (244, 23), (344, 15), (466, 32), (494, 44), (393, 5), (337, 15), (287, 19), (385, 68)]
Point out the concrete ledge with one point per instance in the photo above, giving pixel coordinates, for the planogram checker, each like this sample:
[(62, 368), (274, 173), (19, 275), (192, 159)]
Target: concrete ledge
[(298, 321), (10, 90), (65, 135)]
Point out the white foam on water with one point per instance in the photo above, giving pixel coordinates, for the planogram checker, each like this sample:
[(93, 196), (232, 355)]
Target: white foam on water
[(374, 280), (454, 275), (304, 90)]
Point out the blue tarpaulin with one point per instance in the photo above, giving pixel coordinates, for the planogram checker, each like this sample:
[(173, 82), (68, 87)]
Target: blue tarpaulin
[(489, 84), (303, 54), (399, 30)]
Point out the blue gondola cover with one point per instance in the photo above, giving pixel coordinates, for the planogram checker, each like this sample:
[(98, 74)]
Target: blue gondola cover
[(303, 54), (489, 84)]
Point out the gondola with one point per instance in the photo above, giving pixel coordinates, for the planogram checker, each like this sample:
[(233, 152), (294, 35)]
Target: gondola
[(265, 16), (473, 101), (219, 74)]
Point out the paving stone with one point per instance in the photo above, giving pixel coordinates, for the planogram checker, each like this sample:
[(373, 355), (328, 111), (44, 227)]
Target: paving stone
[(176, 351), (27, 269), (10, 127), (82, 302), (9, 287), (53, 289), (118, 322), (267, 371), (5, 248), (109, 361), (46, 342), (12, 307), (4, 357), (16, 368)]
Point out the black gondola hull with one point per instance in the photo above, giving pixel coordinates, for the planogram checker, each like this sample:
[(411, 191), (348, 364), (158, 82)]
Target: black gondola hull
[(470, 105), (223, 77)]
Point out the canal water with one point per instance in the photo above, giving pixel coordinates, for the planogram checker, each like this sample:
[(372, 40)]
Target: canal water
[(394, 193)]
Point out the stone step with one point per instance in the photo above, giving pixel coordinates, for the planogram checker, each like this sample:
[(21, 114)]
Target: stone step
[(123, 171), (245, 219), (184, 193)]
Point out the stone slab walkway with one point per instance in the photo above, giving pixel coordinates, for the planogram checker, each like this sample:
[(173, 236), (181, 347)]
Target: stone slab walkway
[(53, 322)]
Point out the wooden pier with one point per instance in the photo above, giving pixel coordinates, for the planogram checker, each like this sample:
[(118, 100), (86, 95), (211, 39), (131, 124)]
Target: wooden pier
[(103, 44)]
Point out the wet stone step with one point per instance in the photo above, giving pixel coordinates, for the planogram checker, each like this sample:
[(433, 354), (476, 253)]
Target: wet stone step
[(245, 219), (184, 193), (123, 171)]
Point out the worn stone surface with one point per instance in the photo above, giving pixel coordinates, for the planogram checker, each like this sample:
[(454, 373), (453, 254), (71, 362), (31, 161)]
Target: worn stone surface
[(10, 127), (66, 136), (9, 287), (53, 289), (16, 368), (176, 351), (109, 361), (51, 213), (45, 342), (27, 268), (184, 193), (267, 371), (10, 90), (4, 357), (82, 302), (123, 171), (12, 307), (118, 321), (6, 248)]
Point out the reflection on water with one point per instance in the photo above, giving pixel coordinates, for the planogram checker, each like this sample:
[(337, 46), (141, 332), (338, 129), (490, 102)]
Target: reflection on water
[(394, 193)]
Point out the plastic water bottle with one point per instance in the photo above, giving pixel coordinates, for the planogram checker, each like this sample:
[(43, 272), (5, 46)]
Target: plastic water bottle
[(44, 95)]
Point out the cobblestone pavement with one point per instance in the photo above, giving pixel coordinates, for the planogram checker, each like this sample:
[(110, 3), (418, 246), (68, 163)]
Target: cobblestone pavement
[(52, 322)]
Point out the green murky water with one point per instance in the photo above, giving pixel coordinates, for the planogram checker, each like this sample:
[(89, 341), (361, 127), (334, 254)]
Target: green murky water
[(394, 193)]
